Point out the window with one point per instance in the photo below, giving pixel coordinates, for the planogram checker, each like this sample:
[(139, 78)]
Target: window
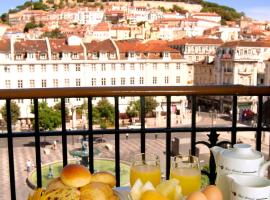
[(113, 81), (154, 66), (66, 67), (19, 56), (78, 68), (197, 58), (20, 84), (7, 69), (43, 83), (141, 80), (19, 68), (94, 81), (132, 55), (56, 100), (66, 82), (55, 82), (132, 80), (78, 82), (42, 56), (32, 83), (177, 79), (94, 67), (75, 56), (55, 68), (123, 81), (141, 66), (178, 65), (78, 99), (67, 100), (132, 66), (166, 66), (103, 81), (31, 68), (113, 67), (20, 101), (166, 54), (166, 79), (154, 80), (31, 55), (103, 68), (43, 68), (8, 84), (122, 66)]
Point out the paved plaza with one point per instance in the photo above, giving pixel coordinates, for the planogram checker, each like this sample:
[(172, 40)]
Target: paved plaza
[(24, 151)]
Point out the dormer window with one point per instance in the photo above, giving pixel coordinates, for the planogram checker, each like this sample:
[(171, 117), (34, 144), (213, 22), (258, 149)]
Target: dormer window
[(166, 54), (31, 55), (95, 55), (65, 55), (112, 55), (19, 56), (132, 54), (42, 56), (103, 55), (75, 56)]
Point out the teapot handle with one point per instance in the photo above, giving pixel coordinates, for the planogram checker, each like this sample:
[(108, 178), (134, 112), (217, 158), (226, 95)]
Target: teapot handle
[(263, 168)]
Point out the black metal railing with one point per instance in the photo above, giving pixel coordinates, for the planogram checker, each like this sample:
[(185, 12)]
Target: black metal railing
[(117, 92)]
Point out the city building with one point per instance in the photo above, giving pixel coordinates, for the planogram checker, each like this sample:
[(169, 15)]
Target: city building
[(242, 63), (69, 62)]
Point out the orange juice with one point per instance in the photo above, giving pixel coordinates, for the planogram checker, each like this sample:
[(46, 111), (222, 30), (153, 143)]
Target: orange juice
[(190, 179), (145, 173)]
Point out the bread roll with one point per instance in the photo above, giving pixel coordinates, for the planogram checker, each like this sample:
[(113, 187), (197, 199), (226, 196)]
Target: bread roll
[(75, 175), (104, 177), (96, 191)]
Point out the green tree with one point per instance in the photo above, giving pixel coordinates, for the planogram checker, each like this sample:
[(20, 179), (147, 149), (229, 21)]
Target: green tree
[(134, 108), (15, 112), (56, 33), (4, 18), (40, 6), (31, 25), (226, 13), (105, 113), (57, 107), (49, 118)]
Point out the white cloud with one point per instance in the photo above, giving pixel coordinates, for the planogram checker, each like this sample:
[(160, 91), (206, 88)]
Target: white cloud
[(259, 13)]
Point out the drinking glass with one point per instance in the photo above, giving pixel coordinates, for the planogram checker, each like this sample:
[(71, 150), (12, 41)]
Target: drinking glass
[(146, 167), (187, 170)]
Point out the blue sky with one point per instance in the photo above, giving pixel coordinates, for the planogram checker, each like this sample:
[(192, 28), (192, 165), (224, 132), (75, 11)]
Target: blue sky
[(257, 9)]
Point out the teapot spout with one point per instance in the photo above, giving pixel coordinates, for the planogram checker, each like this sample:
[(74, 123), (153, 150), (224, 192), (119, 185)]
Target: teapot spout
[(216, 150)]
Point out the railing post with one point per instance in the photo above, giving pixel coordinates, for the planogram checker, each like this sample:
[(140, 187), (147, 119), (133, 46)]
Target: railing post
[(193, 126), (259, 123), (10, 151), (64, 130), (142, 102), (90, 135), (234, 120), (168, 138), (117, 141), (37, 144)]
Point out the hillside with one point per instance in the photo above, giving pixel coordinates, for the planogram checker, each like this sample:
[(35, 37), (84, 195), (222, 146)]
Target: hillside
[(226, 13)]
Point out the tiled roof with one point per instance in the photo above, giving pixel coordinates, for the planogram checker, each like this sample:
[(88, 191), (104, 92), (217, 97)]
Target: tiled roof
[(206, 14), (102, 26), (196, 40), (5, 46), (60, 45), (30, 46), (101, 46), (242, 43)]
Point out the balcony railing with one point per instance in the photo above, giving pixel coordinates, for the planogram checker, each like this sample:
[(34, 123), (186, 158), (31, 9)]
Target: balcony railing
[(193, 92)]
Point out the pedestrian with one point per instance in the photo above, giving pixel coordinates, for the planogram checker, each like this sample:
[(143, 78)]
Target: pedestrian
[(28, 165), (54, 145)]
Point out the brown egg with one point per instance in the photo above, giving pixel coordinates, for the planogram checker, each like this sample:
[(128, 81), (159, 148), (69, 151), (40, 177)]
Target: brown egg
[(196, 196), (212, 192)]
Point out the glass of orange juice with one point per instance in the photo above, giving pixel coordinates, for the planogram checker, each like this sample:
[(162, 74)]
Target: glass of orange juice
[(187, 170), (146, 167)]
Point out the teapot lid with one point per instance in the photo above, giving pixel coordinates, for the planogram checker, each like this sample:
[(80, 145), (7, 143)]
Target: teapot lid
[(242, 151)]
